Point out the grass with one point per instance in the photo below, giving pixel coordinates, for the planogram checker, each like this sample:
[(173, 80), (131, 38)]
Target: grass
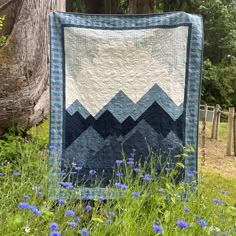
[(222, 130), (160, 201)]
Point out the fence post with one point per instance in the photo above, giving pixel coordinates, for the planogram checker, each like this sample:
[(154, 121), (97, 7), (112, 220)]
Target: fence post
[(217, 121), (235, 134), (230, 131), (214, 131)]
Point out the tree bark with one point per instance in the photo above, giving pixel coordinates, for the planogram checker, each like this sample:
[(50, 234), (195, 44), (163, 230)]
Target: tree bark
[(101, 6), (24, 62), (141, 6)]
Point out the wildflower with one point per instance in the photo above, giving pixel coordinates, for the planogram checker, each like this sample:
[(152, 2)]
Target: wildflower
[(118, 184), (130, 162), (120, 174), (39, 193), (15, 174), (182, 224), (67, 185), (217, 201), (78, 168), (72, 224), (92, 172), (223, 192), (70, 213), (55, 233), (137, 170), (23, 205), (53, 226), (1, 174), (37, 212), (202, 223), (27, 229), (186, 210), (118, 162), (85, 198), (224, 233), (161, 190), (77, 219), (190, 174), (167, 169), (198, 217), (157, 228), (109, 222), (73, 173), (111, 214), (135, 194), (88, 208), (84, 232), (61, 201), (215, 230), (147, 177), (26, 197), (124, 187), (101, 198)]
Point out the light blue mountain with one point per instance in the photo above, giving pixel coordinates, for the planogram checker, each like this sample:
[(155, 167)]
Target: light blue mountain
[(77, 106)]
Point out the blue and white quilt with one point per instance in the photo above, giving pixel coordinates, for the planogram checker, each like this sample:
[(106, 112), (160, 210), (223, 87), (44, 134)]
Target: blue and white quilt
[(121, 83)]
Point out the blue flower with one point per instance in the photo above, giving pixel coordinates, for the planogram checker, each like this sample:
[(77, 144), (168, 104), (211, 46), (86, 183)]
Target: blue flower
[(111, 214), (72, 224), (224, 233), (53, 226), (186, 209), (1, 174), (135, 194), (217, 201), (198, 217), (120, 174), (190, 174), (84, 232), (23, 205), (223, 192), (118, 162), (124, 187), (61, 201), (73, 173), (118, 184), (137, 169), (78, 168), (15, 174), (101, 198), (67, 185), (202, 223), (109, 222), (182, 224), (77, 219), (147, 177), (35, 210), (70, 213), (161, 190), (39, 193), (55, 233), (130, 162), (85, 198), (157, 228), (88, 208), (92, 172), (167, 169), (26, 197)]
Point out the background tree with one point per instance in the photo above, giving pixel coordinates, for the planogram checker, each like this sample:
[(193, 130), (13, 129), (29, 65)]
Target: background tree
[(24, 61)]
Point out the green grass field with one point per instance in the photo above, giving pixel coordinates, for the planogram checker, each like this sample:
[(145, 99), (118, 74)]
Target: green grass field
[(151, 208)]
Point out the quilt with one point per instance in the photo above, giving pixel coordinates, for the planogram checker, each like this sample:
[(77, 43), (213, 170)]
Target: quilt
[(120, 86)]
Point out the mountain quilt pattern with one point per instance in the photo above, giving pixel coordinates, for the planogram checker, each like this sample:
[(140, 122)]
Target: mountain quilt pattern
[(121, 85)]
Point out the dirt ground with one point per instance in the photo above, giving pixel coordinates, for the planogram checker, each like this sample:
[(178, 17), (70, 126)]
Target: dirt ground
[(216, 161)]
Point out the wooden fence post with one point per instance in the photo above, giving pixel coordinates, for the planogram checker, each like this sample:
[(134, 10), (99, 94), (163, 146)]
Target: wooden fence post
[(230, 132), (215, 124), (235, 134), (218, 122)]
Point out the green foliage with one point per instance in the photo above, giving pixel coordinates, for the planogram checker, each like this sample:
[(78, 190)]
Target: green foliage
[(3, 38)]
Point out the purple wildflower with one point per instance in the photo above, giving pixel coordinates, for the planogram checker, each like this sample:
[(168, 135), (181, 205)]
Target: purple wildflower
[(111, 214), (157, 228), (182, 224), (202, 223), (190, 174), (167, 169), (53, 226), (85, 198), (78, 168), (124, 187), (135, 194), (73, 173), (84, 232), (92, 172), (161, 190), (118, 162), (217, 201), (77, 219), (120, 174), (55, 233), (224, 192), (137, 169), (1, 174), (147, 177), (186, 210), (15, 174), (118, 184), (70, 213), (72, 224), (39, 193), (26, 197), (101, 198), (61, 201), (88, 208), (198, 217), (130, 162), (67, 185), (23, 205)]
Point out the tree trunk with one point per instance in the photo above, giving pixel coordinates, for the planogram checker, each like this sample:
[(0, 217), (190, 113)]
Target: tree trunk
[(24, 62), (141, 6), (101, 6)]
